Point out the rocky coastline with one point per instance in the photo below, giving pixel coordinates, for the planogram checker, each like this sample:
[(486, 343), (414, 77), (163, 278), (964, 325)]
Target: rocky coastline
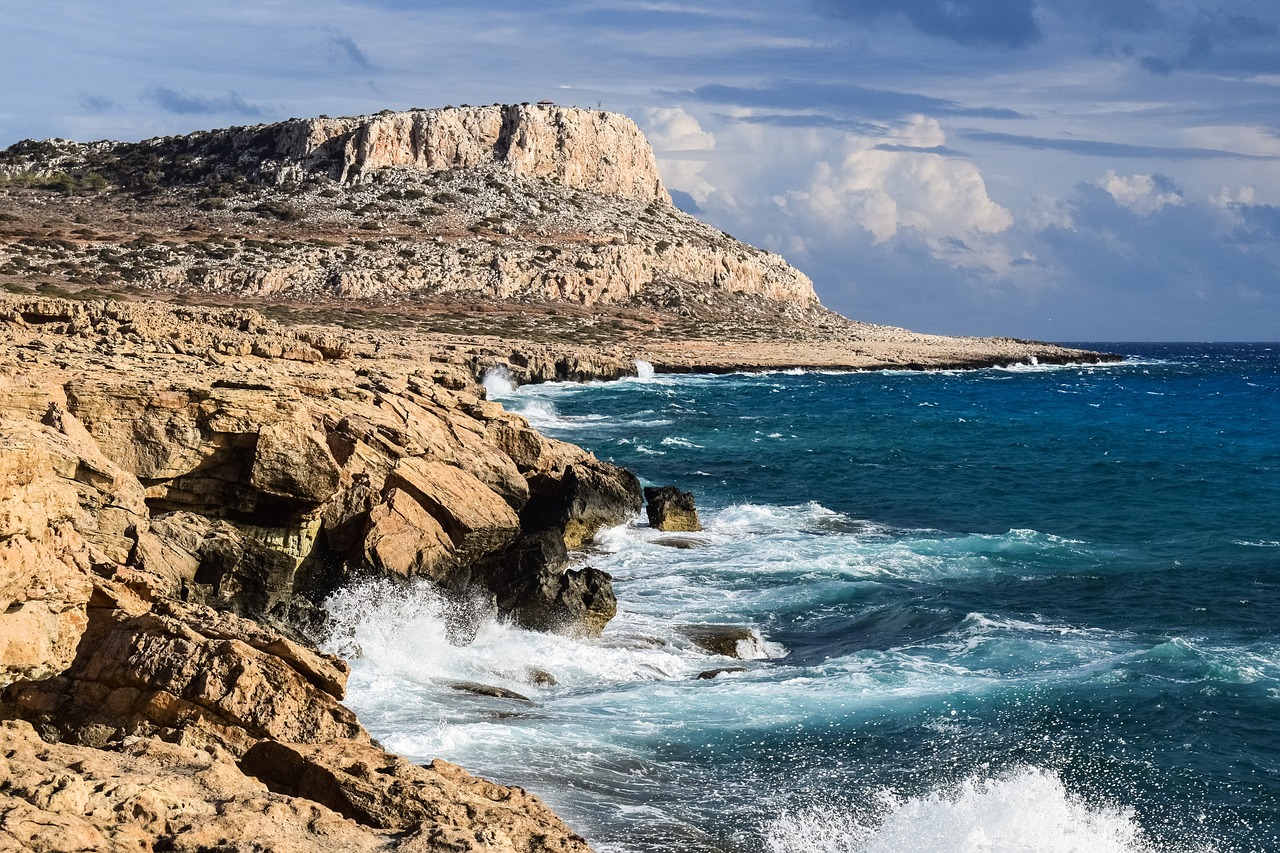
[(241, 369)]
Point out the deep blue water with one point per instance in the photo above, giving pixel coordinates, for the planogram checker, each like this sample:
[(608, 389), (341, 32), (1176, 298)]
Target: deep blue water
[(1034, 608)]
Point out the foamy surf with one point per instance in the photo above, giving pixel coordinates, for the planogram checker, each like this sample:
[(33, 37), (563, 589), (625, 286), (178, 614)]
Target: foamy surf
[(1027, 809)]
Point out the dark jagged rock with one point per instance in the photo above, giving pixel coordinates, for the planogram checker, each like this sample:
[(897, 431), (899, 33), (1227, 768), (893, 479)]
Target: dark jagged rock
[(577, 602), (671, 509), (588, 497)]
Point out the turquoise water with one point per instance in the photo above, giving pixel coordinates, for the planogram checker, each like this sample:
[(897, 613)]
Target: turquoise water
[(1032, 608)]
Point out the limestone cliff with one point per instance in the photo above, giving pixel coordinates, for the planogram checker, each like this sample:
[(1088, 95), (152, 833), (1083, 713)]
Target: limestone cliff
[(589, 150), (500, 202)]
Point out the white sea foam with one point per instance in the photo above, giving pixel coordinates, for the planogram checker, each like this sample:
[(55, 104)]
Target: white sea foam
[(498, 383), (644, 370), (677, 441), (402, 629), (1028, 809)]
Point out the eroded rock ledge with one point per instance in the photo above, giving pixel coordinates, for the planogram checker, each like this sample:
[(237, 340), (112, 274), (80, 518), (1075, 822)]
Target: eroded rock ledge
[(178, 492)]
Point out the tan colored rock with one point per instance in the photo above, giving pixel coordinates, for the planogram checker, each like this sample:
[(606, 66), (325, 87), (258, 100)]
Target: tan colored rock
[(56, 798), (444, 806), (405, 540), (291, 460), (585, 149), (184, 673), (478, 521)]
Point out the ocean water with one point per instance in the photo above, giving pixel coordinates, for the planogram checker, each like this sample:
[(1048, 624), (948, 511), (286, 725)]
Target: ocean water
[(1023, 609)]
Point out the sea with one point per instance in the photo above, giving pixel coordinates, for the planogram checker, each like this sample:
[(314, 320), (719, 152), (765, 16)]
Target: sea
[(1028, 608)]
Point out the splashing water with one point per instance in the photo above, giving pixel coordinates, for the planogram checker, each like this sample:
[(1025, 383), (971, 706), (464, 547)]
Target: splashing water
[(644, 369), (1026, 809), (498, 382)]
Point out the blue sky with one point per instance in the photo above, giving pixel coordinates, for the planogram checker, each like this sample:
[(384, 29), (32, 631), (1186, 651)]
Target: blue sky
[(1057, 169)]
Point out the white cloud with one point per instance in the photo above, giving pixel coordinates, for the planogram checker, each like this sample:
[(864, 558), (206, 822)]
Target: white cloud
[(1244, 139), (1227, 197), (674, 129), (884, 191), (676, 135), (1141, 194)]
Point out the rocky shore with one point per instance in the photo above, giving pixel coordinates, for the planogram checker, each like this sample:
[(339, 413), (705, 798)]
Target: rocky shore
[(179, 489), (239, 370)]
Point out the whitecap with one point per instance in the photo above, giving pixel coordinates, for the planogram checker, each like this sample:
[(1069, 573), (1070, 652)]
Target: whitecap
[(1024, 809)]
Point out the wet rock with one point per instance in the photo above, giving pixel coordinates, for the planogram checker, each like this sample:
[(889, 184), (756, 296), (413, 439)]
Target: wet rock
[(479, 689), (671, 509), (734, 641), (588, 497), (683, 543), (709, 674), (574, 602)]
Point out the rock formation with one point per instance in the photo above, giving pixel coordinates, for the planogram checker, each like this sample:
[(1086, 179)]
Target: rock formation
[(671, 509), (497, 202), (178, 491)]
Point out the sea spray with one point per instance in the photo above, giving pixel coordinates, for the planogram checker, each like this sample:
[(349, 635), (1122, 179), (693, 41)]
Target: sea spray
[(498, 382), (1027, 809), (644, 370), (1052, 585)]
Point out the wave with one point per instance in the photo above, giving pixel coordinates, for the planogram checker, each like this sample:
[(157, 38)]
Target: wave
[(1024, 809), (498, 383)]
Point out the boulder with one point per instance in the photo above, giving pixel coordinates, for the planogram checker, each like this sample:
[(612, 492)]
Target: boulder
[(152, 795), (533, 587), (292, 460), (575, 602), (188, 674), (671, 509), (477, 520), (589, 496)]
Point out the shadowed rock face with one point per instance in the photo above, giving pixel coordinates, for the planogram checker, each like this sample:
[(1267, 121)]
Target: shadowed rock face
[(671, 509)]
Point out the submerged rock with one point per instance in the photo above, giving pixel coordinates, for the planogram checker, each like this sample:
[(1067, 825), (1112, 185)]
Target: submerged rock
[(671, 509), (479, 689), (733, 641)]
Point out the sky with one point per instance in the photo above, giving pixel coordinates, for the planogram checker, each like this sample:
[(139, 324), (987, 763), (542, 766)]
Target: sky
[(1065, 170)]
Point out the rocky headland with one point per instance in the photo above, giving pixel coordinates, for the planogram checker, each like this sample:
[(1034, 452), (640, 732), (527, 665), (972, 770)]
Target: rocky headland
[(239, 370)]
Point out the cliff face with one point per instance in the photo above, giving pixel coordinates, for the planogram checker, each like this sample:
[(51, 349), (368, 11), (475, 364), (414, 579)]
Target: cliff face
[(500, 202), (588, 150)]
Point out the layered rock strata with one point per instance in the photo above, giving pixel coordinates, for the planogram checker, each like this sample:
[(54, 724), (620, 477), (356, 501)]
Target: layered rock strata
[(178, 490), (498, 202)]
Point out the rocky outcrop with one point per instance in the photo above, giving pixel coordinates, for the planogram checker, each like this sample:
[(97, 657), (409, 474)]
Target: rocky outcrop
[(346, 795), (440, 802), (584, 149), (671, 509), (496, 202), (259, 483), (153, 498)]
